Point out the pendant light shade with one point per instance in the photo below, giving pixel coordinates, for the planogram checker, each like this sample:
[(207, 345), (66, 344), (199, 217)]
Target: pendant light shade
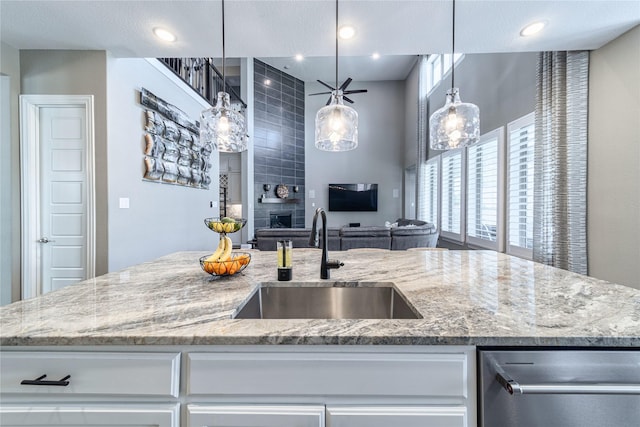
[(222, 125), (336, 123), (457, 124)]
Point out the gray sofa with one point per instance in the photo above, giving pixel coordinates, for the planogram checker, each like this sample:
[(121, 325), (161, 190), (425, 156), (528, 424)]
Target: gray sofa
[(412, 233), (403, 235)]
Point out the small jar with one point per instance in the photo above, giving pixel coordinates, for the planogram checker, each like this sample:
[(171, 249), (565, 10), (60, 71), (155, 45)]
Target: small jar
[(285, 264)]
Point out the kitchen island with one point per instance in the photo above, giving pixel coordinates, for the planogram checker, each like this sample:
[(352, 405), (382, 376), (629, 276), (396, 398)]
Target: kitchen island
[(157, 344), (464, 298)]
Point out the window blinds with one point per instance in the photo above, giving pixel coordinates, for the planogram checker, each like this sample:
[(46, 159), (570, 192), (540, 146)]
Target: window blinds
[(430, 196), (520, 188), (482, 190), (451, 192)]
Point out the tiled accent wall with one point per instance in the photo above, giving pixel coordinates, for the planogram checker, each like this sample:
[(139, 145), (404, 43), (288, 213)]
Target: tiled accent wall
[(278, 141)]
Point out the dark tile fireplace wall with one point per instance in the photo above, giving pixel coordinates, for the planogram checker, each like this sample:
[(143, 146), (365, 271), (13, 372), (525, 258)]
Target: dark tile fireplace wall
[(278, 142)]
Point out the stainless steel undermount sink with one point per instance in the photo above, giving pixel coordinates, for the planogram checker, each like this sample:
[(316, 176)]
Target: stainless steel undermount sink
[(322, 300)]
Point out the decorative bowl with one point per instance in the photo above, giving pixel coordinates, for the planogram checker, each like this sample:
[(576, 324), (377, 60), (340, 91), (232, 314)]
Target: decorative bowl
[(235, 264), (225, 225)]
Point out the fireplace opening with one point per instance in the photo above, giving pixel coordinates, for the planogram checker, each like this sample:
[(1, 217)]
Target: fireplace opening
[(280, 219)]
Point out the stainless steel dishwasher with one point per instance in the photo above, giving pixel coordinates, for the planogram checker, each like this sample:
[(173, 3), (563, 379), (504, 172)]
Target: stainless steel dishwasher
[(559, 388)]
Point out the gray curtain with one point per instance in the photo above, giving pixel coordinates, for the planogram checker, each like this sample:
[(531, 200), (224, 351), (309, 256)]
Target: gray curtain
[(560, 201)]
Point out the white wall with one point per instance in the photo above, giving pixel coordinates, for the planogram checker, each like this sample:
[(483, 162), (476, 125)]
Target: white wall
[(9, 175), (161, 218), (379, 158), (613, 220), (70, 72)]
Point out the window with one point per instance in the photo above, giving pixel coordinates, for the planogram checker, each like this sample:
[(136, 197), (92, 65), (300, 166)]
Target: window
[(482, 194), (452, 206), (484, 198), (429, 207), (438, 66), (521, 140)]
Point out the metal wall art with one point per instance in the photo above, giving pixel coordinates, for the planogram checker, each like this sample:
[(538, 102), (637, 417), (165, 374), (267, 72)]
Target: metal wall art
[(173, 152)]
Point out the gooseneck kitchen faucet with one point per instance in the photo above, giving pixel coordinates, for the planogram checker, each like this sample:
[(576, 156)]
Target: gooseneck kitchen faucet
[(325, 263)]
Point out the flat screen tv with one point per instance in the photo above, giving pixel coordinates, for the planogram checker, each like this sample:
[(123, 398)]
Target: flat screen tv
[(353, 197)]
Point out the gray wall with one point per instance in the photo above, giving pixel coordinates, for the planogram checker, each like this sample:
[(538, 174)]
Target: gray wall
[(502, 85), (278, 142), (379, 158), (162, 218), (613, 220), (10, 178), (59, 72), (411, 87)]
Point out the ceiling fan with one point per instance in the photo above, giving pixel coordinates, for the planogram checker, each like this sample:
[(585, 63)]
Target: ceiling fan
[(339, 91)]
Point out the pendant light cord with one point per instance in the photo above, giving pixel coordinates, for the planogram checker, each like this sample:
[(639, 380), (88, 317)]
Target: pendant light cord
[(224, 81), (336, 45), (453, 46)]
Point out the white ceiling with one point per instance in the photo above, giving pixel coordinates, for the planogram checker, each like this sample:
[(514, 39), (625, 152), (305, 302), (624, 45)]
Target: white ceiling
[(276, 30)]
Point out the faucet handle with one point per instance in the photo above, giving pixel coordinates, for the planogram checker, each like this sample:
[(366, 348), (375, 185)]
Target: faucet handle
[(334, 263)]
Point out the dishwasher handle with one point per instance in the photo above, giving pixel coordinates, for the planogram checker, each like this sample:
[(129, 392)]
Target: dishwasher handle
[(514, 387)]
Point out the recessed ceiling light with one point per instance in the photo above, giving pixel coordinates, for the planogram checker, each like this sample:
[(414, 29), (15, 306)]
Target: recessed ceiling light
[(532, 29), (299, 57), (163, 34), (375, 55), (346, 32), (267, 82)]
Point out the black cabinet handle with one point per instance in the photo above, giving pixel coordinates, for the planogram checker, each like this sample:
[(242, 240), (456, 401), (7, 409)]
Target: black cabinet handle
[(39, 381)]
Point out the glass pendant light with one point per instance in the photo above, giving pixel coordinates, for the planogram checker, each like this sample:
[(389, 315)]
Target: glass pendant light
[(457, 124), (336, 123), (222, 125)]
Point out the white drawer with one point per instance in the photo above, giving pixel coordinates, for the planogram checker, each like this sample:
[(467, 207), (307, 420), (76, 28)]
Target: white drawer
[(329, 374), (120, 374), (405, 416)]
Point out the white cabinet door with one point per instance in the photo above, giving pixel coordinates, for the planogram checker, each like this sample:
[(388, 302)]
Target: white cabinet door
[(255, 416), (407, 416), (94, 415)]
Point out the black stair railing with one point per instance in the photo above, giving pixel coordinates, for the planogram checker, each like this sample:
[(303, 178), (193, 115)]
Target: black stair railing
[(203, 77)]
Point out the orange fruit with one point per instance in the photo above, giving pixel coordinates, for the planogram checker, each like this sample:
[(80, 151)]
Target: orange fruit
[(208, 267), (243, 259), (219, 268), (232, 267)]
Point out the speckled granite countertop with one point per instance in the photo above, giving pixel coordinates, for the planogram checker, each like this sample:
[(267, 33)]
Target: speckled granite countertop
[(465, 298)]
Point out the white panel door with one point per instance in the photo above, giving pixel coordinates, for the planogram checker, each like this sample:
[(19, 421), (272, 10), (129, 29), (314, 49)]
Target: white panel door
[(255, 416), (380, 416), (63, 201), (85, 416)]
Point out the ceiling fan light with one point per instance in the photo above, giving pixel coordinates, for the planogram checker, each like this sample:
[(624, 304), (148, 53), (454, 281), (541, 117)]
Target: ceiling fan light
[(455, 125), (336, 126)]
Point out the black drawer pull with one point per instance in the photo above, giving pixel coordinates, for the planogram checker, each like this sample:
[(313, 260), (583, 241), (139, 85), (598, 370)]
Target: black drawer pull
[(38, 381)]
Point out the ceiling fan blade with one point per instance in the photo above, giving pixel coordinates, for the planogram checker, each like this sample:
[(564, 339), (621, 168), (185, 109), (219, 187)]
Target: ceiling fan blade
[(346, 83), (347, 99), (329, 100), (320, 93), (326, 85), (355, 91)]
